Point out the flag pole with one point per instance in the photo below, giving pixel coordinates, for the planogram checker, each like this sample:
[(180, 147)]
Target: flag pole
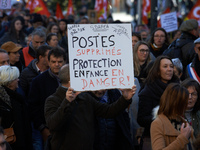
[(154, 14), (139, 21)]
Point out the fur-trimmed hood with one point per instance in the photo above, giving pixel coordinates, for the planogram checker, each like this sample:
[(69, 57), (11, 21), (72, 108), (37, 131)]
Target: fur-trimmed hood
[(155, 112)]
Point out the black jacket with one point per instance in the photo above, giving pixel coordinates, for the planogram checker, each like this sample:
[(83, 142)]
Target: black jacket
[(149, 97), (72, 125), (27, 75), (186, 42), (17, 115), (42, 87)]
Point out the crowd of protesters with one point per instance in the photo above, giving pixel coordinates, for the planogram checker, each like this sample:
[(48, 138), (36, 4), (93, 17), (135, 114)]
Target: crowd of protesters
[(161, 111)]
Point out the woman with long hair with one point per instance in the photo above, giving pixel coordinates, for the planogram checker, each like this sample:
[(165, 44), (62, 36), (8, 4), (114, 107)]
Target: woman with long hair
[(170, 130), (62, 26), (15, 33), (160, 75), (141, 58), (53, 28)]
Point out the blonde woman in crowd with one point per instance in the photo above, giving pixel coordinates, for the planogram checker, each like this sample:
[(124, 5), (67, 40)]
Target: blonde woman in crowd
[(141, 57)]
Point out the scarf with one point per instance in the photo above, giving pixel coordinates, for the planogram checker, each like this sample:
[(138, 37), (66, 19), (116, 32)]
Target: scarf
[(4, 96)]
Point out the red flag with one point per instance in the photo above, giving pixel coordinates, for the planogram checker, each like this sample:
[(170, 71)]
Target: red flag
[(37, 6), (70, 10), (59, 14), (146, 11), (102, 8), (167, 10), (194, 13)]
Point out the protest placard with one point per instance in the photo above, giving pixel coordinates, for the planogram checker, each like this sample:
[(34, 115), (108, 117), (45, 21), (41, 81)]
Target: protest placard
[(100, 56), (169, 21), (5, 4)]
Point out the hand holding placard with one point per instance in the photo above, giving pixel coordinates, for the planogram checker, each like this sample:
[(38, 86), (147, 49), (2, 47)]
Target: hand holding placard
[(128, 93)]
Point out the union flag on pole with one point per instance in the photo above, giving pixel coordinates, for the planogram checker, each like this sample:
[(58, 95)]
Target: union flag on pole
[(59, 14), (37, 6), (102, 8), (194, 13), (70, 10), (146, 11)]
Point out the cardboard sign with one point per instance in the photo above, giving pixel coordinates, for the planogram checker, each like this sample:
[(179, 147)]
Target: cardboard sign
[(100, 56), (169, 22), (92, 14), (5, 4)]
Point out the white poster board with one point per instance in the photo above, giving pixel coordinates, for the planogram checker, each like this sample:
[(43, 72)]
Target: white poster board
[(169, 21), (5, 4), (100, 56)]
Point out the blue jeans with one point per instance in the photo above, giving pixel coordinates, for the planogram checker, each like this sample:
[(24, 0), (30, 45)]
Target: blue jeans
[(36, 139)]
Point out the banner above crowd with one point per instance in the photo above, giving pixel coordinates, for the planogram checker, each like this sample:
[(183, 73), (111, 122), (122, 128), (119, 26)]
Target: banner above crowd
[(37, 6), (194, 13)]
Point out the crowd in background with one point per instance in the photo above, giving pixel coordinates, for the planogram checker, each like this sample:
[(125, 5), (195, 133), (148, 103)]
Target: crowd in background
[(33, 58)]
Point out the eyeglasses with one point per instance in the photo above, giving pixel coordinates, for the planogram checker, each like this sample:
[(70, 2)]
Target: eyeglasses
[(157, 36), (194, 94), (144, 50)]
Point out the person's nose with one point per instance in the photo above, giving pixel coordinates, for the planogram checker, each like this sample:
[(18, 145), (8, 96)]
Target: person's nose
[(170, 68), (190, 95), (57, 64), (39, 44)]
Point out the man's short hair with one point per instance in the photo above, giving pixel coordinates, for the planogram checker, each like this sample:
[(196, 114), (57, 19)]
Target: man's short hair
[(57, 52), (64, 74), (42, 50), (3, 51), (39, 33)]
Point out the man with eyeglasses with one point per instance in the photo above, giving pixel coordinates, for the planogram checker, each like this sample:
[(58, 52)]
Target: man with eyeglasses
[(29, 53), (193, 70)]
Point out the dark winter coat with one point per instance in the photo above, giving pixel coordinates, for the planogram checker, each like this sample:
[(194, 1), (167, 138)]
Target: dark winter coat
[(186, 41), (149, 97), (27, 75), (42, 87), (16, 114), (72, 125)]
